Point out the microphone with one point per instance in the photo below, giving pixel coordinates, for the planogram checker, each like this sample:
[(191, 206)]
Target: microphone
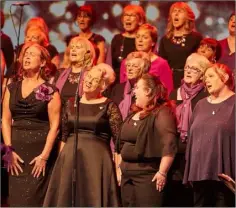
[(21, 3)]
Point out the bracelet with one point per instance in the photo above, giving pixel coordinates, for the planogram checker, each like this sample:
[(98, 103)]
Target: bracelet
[(163, 174), (42, 158)]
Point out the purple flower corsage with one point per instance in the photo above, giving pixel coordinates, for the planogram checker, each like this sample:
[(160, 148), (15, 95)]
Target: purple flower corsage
[(43, 93), (7, 154)]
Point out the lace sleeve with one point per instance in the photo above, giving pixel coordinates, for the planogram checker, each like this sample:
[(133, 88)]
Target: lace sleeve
[(115, 120)]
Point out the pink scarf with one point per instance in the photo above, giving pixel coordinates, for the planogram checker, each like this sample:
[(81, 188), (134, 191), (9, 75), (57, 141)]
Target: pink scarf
[(184, 110)]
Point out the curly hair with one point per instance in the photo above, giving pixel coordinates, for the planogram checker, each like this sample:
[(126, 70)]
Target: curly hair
[(158, 96), (89, 56), (108, 75), (46, 72), (145, 58), (190, 23)]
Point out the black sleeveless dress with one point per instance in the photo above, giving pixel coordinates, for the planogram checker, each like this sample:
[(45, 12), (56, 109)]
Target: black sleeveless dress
[(28, 136), (96, 184)]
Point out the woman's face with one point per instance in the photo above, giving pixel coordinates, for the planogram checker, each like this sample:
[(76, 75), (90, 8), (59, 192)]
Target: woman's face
[(130, 21), (141, 94), (32, 36), (133, 68), (32, 59), (92, 81), (77, 51), (231, 25), (179, 17), (192, 73), (213, 82), (83, 21), (207, 51), (143, 41)]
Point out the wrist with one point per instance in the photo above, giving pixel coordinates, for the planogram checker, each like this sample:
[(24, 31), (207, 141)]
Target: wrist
[(164, 174), (43, 157)]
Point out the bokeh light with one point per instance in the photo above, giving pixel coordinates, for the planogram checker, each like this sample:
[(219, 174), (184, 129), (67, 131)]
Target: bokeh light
[(209, 21), (152, 12), (117, 10), (105, 16), (195, 9)]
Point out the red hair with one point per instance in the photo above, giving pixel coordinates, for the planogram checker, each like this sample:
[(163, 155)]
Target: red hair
[(158, 96)]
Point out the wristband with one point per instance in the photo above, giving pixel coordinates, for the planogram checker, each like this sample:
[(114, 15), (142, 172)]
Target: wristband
[(163, 174)]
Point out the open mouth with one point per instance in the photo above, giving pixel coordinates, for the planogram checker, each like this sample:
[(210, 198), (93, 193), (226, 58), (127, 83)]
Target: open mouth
[(27, 63), (128, 24), (209, 86), (176, 19)]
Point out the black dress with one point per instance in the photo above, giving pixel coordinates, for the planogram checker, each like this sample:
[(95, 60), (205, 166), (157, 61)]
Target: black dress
[(28, 136), (96, 178)]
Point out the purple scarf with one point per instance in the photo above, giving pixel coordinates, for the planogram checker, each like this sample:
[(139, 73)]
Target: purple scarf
[(184, 110), (125, 104)]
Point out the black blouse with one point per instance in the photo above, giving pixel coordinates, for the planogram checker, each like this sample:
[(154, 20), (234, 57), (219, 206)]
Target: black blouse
[(149, 138)]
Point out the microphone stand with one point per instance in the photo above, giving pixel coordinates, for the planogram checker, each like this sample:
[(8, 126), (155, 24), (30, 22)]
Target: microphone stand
[(78, 95)]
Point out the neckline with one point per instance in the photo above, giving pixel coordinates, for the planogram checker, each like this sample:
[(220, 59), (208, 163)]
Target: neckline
[(95, 103), (21, 94), (220, 102)]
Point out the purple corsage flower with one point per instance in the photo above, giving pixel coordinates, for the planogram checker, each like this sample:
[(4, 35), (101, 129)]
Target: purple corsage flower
[(43, 93)]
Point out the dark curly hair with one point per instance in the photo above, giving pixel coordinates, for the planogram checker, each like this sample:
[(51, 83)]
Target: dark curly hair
[(157, 98), (46, 72)]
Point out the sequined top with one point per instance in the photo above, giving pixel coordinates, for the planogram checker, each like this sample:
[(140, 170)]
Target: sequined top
[(211, 146)]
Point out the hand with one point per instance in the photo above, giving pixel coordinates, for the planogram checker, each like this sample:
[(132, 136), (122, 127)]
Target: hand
[(13, 165), (160, 181), (118, 175), (39, 166)]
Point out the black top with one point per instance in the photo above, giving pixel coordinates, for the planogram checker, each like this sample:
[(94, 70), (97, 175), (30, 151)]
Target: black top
[(149, 138), (117, 43), (176, 55), (7, 49), (202, 94)]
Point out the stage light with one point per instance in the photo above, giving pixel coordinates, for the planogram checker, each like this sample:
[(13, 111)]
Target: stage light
[(105, 16), (222, 35), (221, 20), (152, 12), (68, 15), (80, 3), (64, 28), (135, 2), (58, 9), (107, 34), (60, 45), (209, 21), (53, 35), (117, 10), (195, 9), (75, 27)]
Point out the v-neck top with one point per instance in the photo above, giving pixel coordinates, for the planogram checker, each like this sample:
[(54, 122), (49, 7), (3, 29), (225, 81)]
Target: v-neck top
[(32, 108)]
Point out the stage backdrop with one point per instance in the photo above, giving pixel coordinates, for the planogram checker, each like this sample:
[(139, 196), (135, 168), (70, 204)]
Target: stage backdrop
[(211, 17)]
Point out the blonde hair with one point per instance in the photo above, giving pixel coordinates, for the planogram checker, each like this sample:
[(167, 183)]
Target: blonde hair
[(137, 10), (89, 56), (189, 24), (108, 74), (201, 61), (42, 36), (40, 23), (145, 58)]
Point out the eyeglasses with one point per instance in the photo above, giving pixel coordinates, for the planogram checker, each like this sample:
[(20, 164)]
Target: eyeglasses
[(193, 69)]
